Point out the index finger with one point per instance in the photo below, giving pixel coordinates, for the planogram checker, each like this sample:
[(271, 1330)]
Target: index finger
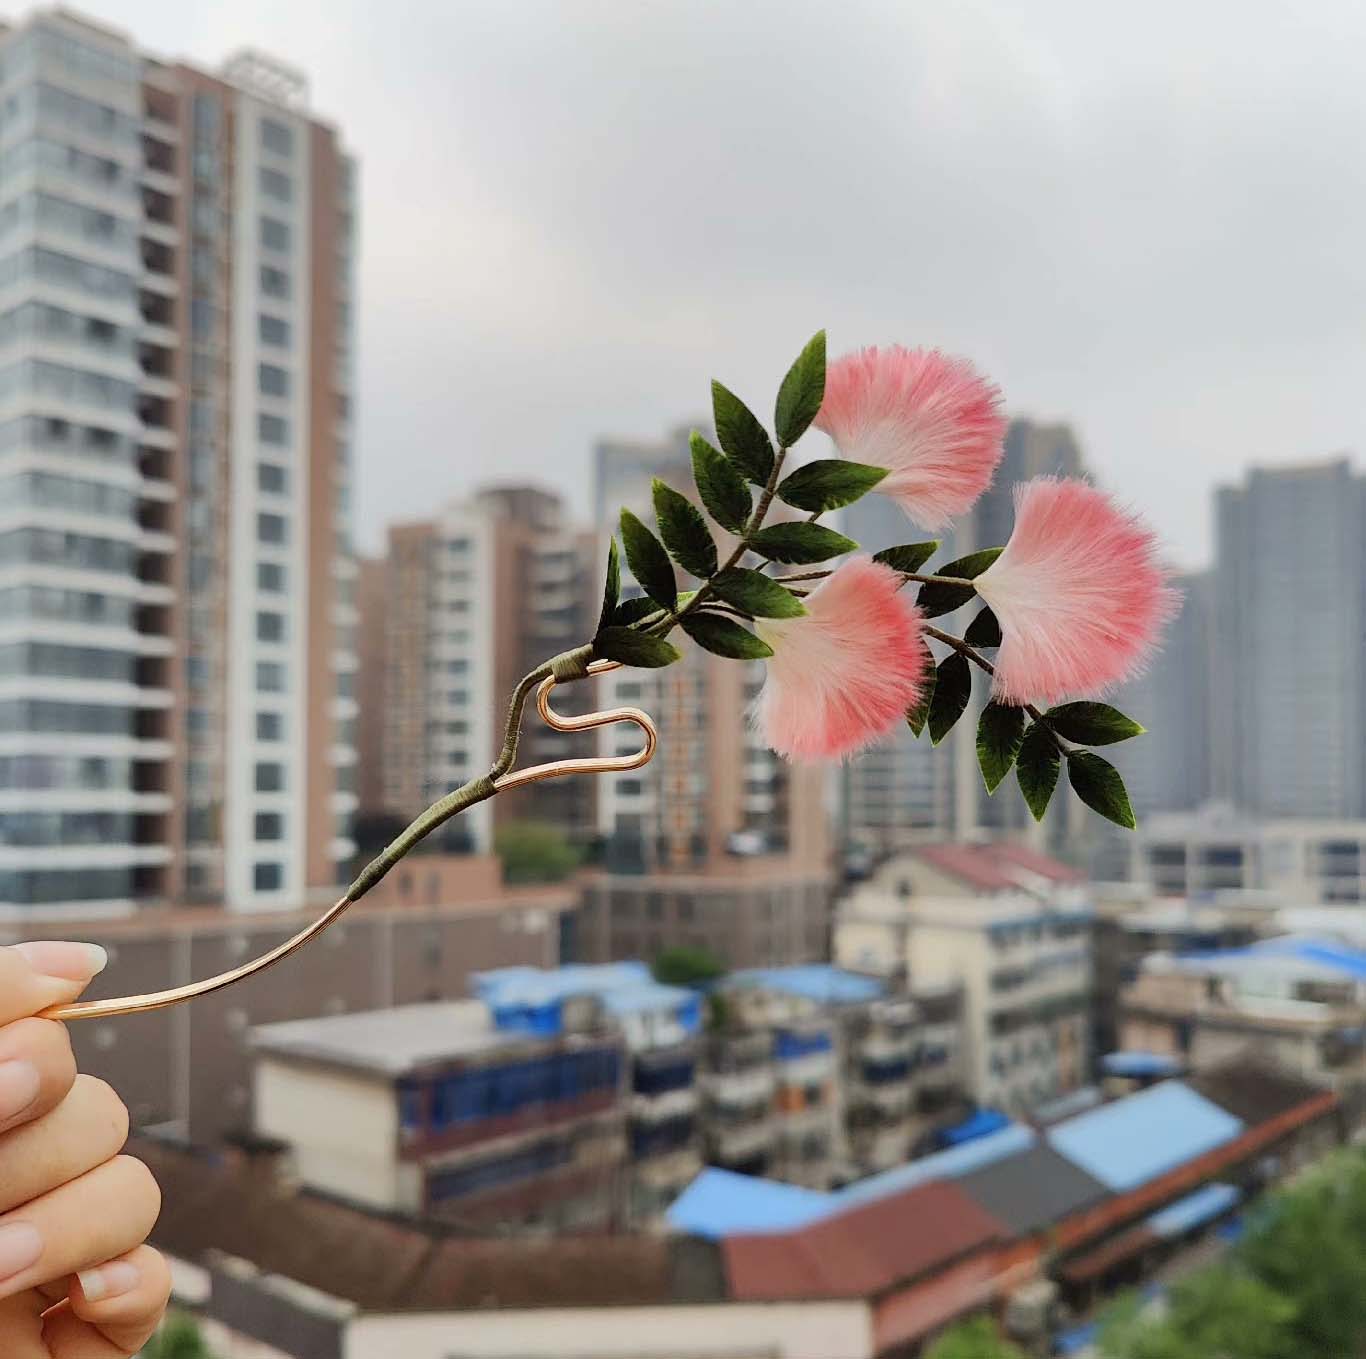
[(35, 975)]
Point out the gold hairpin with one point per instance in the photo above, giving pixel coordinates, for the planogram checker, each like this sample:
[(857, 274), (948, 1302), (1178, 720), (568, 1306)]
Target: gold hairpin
[(606, 764)]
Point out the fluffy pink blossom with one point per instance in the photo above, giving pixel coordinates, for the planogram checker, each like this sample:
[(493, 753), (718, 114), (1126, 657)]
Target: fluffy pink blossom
[(843, 675), (1079, 593), (932, 420)]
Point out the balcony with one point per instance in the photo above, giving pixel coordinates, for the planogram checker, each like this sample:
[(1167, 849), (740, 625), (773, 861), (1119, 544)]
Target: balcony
[(739, 1145)]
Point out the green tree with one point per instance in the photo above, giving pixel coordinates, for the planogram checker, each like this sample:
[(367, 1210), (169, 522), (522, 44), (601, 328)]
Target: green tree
[(178, 1338), (1295, 1286), (1309, 1244), (975, 1339), (1219, 1313), (533, 851), (684, 966)]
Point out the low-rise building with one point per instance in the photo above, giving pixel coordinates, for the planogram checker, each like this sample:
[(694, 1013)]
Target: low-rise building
[(1296, 1000), (1019, 1223), (1125, 934), (1192, 854), (890, 1057), (187, 1071), (660, 1026), (1012, 928), (437, 1110)]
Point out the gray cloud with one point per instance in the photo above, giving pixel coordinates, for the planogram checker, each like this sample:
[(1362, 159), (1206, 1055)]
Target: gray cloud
[(1148, 221)]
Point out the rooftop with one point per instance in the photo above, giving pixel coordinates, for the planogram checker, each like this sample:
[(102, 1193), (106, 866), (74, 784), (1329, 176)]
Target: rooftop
[(390, 1042), (1002, 866), (1144, 1135), (721, 1203), (820, 982)]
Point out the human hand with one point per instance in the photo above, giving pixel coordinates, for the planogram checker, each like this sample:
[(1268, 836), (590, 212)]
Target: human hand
[(76, 1280)]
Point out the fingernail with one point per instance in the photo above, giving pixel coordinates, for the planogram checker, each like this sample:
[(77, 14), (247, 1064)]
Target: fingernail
[(19, 1084), (20, 1247), (66, 961), (108, 1281)]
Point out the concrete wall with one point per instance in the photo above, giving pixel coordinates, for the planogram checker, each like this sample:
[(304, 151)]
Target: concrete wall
[(828, 1330), (353, 1151)]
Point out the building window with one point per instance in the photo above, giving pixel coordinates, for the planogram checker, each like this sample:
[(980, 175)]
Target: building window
[(277, 137), (272, 330), (270, 777), (272, 479), (270, 576), (268, 877), (276, 185), (270, 826), (272, 528), (271, 429), (272, 380), (270, 677), (274, 234), (270, 726), (274, 282), (270, 627)]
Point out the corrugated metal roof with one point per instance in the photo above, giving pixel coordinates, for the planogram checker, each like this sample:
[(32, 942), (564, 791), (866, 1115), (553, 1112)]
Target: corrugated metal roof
[(1202, 1206), (996, 867), (943, 1165), (1133, 1140), (1254, 1092), (538, 986), (862, 1251), (1032, 1188), (721, 1203), (812, 981)]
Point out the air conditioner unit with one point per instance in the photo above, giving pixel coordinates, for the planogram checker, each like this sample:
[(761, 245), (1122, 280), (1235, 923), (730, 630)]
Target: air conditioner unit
[(1029, 1310)]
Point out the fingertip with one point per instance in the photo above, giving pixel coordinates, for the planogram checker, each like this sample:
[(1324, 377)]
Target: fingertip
[(64, 960)]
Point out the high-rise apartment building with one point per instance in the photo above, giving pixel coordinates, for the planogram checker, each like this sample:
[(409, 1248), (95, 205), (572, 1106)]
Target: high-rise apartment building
[(717, 843), (1289, 724), (903, 788), (1167, 770), (470, 602), (176, 315)]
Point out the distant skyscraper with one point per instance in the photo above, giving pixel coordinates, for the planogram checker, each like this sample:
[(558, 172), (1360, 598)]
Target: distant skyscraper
[(733, 840), (902, 789), (1289, 618), (472, 601), (1167, 769), (1031, 450), (176, 257)]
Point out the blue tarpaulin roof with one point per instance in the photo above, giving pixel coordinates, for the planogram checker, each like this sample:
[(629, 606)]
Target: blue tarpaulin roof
[(984, 1121), (1202, 1206), (943, 1165), (1133, 1140), (1139, 1064), (721, 1203), (1076, 1340), (812, 981)]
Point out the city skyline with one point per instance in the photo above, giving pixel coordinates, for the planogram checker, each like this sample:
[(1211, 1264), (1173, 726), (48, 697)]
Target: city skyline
[(1007, 188)]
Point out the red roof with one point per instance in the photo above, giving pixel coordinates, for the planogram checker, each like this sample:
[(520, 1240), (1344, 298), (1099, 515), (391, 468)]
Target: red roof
[(863, 1251), (996, 867)]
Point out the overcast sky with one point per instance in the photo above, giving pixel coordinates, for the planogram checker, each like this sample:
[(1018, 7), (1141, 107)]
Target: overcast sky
[(1148, 220)]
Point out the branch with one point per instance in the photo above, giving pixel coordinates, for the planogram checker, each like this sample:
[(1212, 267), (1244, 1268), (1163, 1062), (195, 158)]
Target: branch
[(756, 520), (976, 657), (907, 577), (476, 790)]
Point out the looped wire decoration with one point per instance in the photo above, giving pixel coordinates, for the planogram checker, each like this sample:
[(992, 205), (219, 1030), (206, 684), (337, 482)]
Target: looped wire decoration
[(519, 778)]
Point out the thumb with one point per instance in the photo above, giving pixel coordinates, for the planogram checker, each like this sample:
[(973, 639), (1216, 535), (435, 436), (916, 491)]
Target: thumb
[(36, 975)]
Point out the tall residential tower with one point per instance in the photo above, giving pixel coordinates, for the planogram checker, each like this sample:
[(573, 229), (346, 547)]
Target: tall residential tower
[(176, 316)]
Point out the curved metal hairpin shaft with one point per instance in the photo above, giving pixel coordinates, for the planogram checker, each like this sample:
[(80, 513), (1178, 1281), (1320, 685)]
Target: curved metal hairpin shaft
[(607, 764)]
